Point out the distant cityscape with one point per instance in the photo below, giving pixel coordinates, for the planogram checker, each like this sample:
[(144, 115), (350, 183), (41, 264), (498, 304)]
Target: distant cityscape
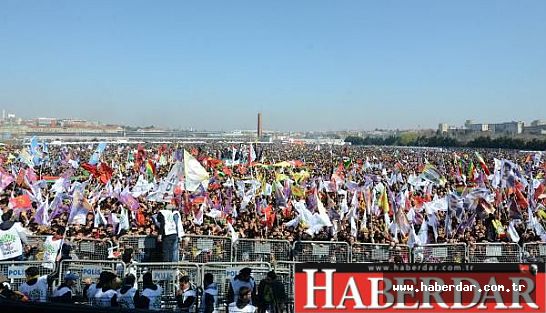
[(14, 128), (537, 127)]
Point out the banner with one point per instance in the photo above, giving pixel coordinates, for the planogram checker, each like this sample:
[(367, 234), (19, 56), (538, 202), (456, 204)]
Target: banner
[(502, 287)]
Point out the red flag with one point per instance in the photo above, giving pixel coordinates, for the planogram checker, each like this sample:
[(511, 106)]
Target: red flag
[(141, 219), (227, 171), (521, 200), (198, 200), (104, 173), (92, 169), (269, 216), (539, 191), (21, 202), (212, 162), (296, 163)]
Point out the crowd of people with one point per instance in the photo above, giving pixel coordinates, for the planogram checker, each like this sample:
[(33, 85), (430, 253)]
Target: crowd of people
[(358, 194), (380, 195)]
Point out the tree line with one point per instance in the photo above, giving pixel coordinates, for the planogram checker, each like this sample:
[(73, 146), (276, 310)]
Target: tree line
[(443, 141)]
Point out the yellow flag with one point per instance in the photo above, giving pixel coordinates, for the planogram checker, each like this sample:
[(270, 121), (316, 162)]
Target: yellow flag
[(384, 201), (280, 177), (298, 191), (301, 175)]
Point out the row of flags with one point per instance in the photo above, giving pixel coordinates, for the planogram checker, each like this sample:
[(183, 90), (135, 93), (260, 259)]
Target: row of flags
[(372, 198)]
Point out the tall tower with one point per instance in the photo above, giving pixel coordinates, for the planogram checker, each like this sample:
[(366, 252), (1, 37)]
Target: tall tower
[(260, 131)]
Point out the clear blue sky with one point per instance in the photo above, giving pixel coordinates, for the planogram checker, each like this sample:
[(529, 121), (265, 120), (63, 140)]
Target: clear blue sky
[(307, 65)]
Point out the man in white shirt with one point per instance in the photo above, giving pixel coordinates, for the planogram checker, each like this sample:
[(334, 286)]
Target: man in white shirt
[(12, 238), (171, 231), (35, 288)]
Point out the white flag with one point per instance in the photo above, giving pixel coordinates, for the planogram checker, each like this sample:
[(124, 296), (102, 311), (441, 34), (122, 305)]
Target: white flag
[(512, 232), (234, 235), (195, 173)]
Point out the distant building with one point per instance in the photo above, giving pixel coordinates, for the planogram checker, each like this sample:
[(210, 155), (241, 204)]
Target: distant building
[(443, 128), (538, 127), (509, 128), (476, 127), (45, 122)]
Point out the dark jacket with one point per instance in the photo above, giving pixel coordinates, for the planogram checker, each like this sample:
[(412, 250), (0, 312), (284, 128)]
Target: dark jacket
[(186, 305), (271, 294)]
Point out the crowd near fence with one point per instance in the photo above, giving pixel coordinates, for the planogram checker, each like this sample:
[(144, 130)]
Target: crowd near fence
[(494, 253), (440, 253), (370, 252), (259, 250), (93, 249), (218, 256), (535, 251), (203, 249), (321, 251)]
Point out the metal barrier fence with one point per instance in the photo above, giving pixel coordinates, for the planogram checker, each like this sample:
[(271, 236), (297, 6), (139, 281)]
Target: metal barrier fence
[(15, 271), (223, 272), (322, 251), (285, 273), (144, 247), (440, 253), (167, 275), (204, 249), (369, 252), (494, 253), (93, 249), (36, 240), (534, 252), (257, 250), (88, 269)]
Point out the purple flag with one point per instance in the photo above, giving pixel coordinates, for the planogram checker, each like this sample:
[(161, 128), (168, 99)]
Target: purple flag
[(40, 217), (5, 180), (127, 199)]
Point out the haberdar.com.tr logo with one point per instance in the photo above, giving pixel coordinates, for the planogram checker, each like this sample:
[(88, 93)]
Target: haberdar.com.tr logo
[(325, 288)]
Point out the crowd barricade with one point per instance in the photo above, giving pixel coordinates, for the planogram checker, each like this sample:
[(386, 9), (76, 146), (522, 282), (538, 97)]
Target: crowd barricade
[(167, 274), (89, 271), (440, 253), (223, 272), (204, 249), (494, 253), (285, 271), (36, 240), (534, 252), (15, 271), (371, 252), (93, 249), (261, 250), (322, 251), (144, 247)]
